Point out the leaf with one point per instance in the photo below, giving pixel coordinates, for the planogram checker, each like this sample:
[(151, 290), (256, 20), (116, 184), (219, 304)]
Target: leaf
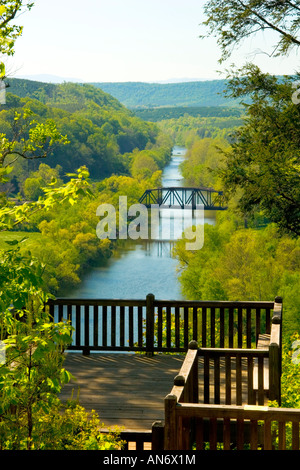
[(12, 242)]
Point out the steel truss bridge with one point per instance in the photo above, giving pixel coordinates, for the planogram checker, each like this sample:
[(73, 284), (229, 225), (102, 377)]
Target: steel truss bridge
[(183, 198)]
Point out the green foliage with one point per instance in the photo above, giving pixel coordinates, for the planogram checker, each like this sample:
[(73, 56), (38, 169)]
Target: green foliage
[(165, 113), (232, 22), (10, 32), (201, 162), (101, 132), (290, 382), (39, 179), (262, 167), (155, 95), (249, 264), (188, 129), (62, 427)]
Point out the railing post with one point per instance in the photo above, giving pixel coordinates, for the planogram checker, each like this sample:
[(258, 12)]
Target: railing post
[(195, 386), (158, 436), (170, 438), (275, 352), (150, 325)]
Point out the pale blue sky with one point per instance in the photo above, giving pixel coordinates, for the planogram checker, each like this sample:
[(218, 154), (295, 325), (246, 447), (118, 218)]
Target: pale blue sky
[(127, 40)]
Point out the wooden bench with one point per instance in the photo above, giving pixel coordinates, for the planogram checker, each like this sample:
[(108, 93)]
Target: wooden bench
[(262, 343)]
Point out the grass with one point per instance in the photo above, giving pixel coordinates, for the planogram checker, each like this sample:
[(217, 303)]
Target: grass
[(10, 236)]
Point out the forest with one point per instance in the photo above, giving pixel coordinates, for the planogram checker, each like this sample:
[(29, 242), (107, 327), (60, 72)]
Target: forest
[(155, 95), (122, 153)]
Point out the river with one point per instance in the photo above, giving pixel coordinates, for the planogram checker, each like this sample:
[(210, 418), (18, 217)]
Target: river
[(139, 267)]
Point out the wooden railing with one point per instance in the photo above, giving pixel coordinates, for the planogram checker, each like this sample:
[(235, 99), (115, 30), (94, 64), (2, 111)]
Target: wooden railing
[(197, 416), (144, 440), (151, 325), (230, 427)]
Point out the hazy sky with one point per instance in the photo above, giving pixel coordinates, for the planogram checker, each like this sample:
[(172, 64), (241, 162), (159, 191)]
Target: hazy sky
[(127, 40)]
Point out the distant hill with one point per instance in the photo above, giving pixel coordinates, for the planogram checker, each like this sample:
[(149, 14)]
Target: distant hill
[(174, 112), (154, 95), (139, 95), (102, 131)]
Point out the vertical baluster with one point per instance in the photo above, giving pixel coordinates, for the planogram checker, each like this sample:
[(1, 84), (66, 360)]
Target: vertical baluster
[(113, 325), (78, 326), (257, 324), (228, 379), (206, 377), (204, 327), (222, 327), (177, 327), (159, 326), (168, 326), (248, 320), (226, 433), (251, 393), (131, 327), (51, 311), (253, 434), (60, 312), (231, 327), (212, 326), (261, 396), (238, 379), (295, 435), (104, 325), (268, 321), (240, 327), (86, 329), (186, 328), (281, 436), (240, 434), (195, 324), (140, 326), (213, 434), (69, 313), (199, 434), (122, 326), (96, 326), (217, 384)]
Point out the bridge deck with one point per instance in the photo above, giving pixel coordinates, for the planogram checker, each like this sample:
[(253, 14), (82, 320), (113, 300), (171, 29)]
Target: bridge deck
[(126, 390)]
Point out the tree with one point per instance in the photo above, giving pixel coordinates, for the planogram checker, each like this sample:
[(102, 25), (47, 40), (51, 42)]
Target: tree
[(262, 170), (9, 9), (235, 20), (262, 167)]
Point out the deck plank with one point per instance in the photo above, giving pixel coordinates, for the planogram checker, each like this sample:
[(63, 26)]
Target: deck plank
[(126, 390)]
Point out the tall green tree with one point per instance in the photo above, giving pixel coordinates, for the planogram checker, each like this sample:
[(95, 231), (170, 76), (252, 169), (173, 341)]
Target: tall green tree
[(236, 20), (262, 169)]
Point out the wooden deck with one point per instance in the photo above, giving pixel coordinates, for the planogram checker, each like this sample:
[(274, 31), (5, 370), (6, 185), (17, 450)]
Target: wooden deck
[(126, 390)]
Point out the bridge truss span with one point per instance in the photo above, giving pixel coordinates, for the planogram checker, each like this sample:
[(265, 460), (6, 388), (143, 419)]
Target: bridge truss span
[(183, 198)]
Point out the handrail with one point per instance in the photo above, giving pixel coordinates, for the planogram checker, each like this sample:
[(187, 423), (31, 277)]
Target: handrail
[(262, 423), (151, 325)]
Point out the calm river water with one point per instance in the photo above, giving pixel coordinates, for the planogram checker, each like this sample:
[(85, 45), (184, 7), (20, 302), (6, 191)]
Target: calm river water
[(140, 267)]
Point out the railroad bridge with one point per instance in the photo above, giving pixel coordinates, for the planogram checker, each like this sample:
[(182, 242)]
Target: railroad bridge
[(184, 198), (212, 390)]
